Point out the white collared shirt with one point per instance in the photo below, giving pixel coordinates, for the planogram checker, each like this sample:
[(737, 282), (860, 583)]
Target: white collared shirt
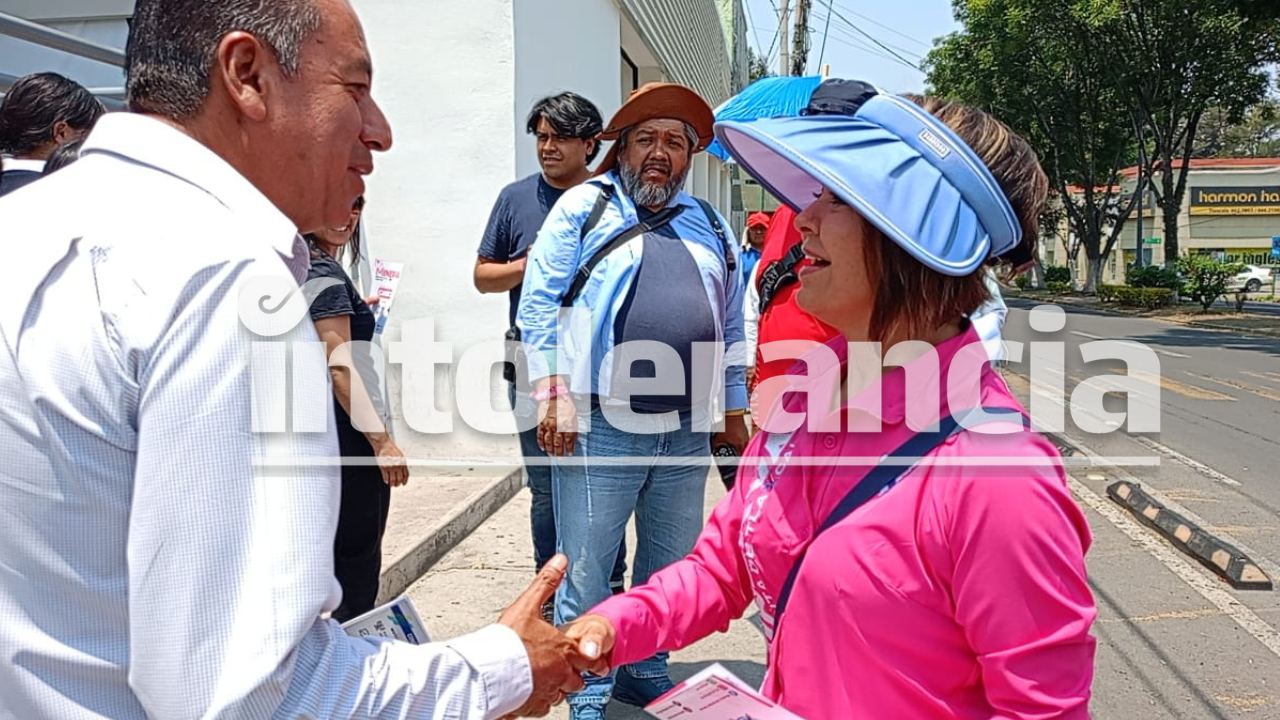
[(148, 569), (12, 163)]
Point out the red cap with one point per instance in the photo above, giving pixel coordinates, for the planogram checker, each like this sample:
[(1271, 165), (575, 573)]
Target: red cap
[(758, 219)]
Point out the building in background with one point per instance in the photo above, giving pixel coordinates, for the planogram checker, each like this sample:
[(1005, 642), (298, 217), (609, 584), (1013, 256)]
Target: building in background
[(456, 81), (1231, 210)]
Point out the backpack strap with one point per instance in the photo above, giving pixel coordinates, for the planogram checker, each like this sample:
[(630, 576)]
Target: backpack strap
[(882, 476), (654, 222), (779, 274), (597, 210), (730, 262)]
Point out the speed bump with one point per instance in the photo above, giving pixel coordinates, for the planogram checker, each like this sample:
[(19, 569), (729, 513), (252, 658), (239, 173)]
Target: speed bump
[(1224, 559)]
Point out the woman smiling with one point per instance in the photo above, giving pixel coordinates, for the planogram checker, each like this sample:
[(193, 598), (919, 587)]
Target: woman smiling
[(900, 569)]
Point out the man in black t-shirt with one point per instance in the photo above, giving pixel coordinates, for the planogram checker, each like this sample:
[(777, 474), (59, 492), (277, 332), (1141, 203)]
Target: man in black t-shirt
[(565, 126)]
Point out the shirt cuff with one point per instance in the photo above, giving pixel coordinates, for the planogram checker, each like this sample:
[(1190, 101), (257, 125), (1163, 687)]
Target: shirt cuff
[(498, 655), (735, 397)]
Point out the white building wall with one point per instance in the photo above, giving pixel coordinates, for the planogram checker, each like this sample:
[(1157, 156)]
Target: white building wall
[(444, 74)]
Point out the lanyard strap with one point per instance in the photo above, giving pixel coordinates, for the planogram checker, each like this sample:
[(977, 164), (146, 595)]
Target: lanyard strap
[(882, 476)]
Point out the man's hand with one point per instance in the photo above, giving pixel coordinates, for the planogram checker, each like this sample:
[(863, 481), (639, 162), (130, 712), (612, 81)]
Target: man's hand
[(554, 659), (595, 637), (735, 433), (558, 431)]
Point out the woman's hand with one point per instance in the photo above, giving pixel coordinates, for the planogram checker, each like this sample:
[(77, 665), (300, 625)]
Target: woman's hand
[(391, 461), (594, 635), (558, 431)]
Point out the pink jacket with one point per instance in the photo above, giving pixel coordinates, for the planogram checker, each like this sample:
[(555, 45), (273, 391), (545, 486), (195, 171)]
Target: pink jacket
[(958, 593)]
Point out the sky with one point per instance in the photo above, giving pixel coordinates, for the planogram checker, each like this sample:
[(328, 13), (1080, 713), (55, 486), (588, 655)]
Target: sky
[(862, 39)]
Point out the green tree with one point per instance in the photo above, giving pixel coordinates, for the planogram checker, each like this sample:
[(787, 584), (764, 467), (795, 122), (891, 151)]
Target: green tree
[(1174, 60), (1205, 279), (1035, 65), (759, 66), (1257, 134)]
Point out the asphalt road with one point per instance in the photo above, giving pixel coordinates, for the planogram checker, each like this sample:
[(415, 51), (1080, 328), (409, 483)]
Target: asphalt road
[(1175, 641)]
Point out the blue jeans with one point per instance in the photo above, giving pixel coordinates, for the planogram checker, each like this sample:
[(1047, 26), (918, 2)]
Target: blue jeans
[(542, 518), (593, 503)]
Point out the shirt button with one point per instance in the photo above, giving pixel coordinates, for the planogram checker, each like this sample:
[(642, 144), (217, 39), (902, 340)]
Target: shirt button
[(829, 441)]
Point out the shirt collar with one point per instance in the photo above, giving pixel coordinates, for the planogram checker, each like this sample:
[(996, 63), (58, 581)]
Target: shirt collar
[(11, 163), (156, 144)]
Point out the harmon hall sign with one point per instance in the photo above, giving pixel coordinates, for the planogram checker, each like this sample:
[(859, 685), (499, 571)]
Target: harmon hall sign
[(1235, 200)]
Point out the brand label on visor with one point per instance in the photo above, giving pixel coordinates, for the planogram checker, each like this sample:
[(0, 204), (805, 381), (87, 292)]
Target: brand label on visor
[(934, 143)]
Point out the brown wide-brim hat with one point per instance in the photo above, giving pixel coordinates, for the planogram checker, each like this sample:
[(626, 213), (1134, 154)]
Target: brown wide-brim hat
[(655, 101)]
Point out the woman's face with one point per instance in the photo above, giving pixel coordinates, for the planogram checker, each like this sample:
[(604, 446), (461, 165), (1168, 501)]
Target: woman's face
[(336, 237), (834, 286)]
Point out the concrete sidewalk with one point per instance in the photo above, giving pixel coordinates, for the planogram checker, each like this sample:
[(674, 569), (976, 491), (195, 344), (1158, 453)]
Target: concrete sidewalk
[(471, 586)]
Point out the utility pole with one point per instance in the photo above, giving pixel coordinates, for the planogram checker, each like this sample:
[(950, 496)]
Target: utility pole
[(800, 43), (784, 44)]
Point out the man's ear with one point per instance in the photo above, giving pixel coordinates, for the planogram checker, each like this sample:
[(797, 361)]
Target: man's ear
[(244, 69), (62, 132)]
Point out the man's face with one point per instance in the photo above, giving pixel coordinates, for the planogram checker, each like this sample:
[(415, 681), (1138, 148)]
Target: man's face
[(755, 236), (657, 151), (328, 124), (560, 157), (655, 162)]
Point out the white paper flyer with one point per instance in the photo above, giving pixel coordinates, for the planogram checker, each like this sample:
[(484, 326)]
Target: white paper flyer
[(386, 278), (716, 694), (397, 619)]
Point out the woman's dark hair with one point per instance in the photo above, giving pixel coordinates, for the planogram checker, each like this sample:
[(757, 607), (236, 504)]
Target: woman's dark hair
[(570, 115), (943, 298), (64, 155), (37, 103)]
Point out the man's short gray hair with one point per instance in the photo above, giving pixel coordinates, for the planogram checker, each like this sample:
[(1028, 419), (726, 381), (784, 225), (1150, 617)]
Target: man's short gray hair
[(172, 43)]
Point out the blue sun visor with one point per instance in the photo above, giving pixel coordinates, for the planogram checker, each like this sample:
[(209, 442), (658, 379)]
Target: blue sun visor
[(896, 164)]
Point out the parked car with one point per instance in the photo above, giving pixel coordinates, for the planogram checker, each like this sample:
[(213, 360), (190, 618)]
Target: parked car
[(1251, 280)]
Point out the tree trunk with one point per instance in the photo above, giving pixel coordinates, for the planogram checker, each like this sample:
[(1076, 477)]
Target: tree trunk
[(1169, 208), (1093, 276)]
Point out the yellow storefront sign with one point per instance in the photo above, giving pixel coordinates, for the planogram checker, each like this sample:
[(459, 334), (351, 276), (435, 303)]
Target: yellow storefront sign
[(1235, 201), (1235, 209)]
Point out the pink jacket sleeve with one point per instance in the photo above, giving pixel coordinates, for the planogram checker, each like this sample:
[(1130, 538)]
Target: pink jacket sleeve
[(1021, 590), (687, 600)]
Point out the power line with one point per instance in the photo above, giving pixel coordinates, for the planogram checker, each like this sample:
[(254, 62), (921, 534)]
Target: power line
[(870, 50), (873, 21), (870, 37), (908, 54), (825, 31), (746, 7)]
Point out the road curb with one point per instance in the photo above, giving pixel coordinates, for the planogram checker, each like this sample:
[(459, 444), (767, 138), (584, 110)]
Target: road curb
[(1224, 559), (414, 562), (1253, 332)]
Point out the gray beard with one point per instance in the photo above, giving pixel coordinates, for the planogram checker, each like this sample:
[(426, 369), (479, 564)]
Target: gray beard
[(646, 194)]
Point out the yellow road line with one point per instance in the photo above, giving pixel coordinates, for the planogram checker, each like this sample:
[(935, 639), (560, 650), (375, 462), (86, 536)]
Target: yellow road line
[(1192, 391), (1260, 392)]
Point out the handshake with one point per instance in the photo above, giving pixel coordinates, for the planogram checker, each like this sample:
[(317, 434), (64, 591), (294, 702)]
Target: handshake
[(557, 658)]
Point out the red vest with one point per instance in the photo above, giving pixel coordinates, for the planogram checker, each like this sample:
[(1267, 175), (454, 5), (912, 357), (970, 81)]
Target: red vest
[(784, 320)]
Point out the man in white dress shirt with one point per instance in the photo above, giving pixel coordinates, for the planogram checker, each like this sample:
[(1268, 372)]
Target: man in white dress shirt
[(150, 565)]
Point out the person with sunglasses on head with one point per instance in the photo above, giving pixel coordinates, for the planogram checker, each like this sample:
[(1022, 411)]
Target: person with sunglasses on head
[(916, 554)]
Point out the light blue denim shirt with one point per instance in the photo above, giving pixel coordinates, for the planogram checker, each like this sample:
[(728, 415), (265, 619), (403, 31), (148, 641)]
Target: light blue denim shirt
[(556, 256)]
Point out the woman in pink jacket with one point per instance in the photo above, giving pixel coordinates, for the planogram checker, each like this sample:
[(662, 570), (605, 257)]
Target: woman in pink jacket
[(915, 554)]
